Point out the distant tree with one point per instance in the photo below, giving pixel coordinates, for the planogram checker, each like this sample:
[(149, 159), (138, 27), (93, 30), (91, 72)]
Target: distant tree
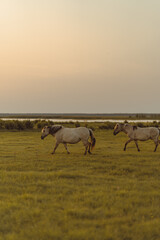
[(77, 124), (28, 124), (1, 124), (42, 123), (9, 125), (20, 125)]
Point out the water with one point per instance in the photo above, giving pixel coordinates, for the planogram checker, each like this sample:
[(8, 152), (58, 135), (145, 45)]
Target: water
[(80, 120)]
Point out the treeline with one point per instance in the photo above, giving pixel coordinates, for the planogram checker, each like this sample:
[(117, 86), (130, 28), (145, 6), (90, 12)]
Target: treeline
[(30, 125), (22, 125), (111, 125), (39, 124)]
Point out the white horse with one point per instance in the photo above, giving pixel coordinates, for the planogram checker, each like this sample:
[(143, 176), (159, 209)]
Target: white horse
[(138, 134), (70, 135)]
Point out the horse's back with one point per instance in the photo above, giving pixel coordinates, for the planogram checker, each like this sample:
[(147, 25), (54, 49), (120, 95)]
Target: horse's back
[(82, 130), (72, 135), (146, 133), (154, 132)]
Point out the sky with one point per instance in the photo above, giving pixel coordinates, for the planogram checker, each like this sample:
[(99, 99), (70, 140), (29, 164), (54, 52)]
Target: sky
[(79, 56)]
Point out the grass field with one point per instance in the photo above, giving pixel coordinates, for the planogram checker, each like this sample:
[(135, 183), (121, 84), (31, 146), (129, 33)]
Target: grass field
[(110, 195)]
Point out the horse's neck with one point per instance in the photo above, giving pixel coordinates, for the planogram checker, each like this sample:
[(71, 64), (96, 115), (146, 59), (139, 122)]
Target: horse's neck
[(124, 130), (127, 129)]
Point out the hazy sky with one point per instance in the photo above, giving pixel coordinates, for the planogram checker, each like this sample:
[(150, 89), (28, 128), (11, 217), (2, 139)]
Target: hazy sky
[(87, 56)]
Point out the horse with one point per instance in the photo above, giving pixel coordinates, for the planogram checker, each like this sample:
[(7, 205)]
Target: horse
[(70, 135), (138, 134)]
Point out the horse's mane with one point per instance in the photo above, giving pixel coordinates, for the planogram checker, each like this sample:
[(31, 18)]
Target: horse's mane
[(55, 128)]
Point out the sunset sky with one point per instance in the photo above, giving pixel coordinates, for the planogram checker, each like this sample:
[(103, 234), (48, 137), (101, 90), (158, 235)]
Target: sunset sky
[(79, 56)]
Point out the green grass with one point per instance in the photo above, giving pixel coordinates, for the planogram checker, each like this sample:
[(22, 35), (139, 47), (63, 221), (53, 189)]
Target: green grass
[(110, 195)]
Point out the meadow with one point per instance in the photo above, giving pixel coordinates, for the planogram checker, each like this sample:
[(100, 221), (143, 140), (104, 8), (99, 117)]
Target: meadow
[(109, 195)]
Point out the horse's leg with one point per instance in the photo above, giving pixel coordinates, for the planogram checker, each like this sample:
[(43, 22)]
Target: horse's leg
[(130, 140), (85, 143), (137, 145), (86, 150), (89, 149), (55, 148), (156, 143), (65, 145)]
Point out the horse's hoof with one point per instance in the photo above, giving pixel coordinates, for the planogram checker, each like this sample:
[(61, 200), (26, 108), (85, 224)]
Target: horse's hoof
[(68, 152), (124, 149), (52, 153)]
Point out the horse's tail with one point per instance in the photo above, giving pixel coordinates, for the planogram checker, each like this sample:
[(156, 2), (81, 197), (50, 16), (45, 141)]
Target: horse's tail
[(93, 140), (159, 135)]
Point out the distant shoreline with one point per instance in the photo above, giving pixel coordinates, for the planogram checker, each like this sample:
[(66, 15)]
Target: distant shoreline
[(83, 116)]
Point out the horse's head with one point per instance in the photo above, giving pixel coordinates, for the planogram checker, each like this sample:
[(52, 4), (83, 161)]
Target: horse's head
[(45, 132), (117, 128)]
